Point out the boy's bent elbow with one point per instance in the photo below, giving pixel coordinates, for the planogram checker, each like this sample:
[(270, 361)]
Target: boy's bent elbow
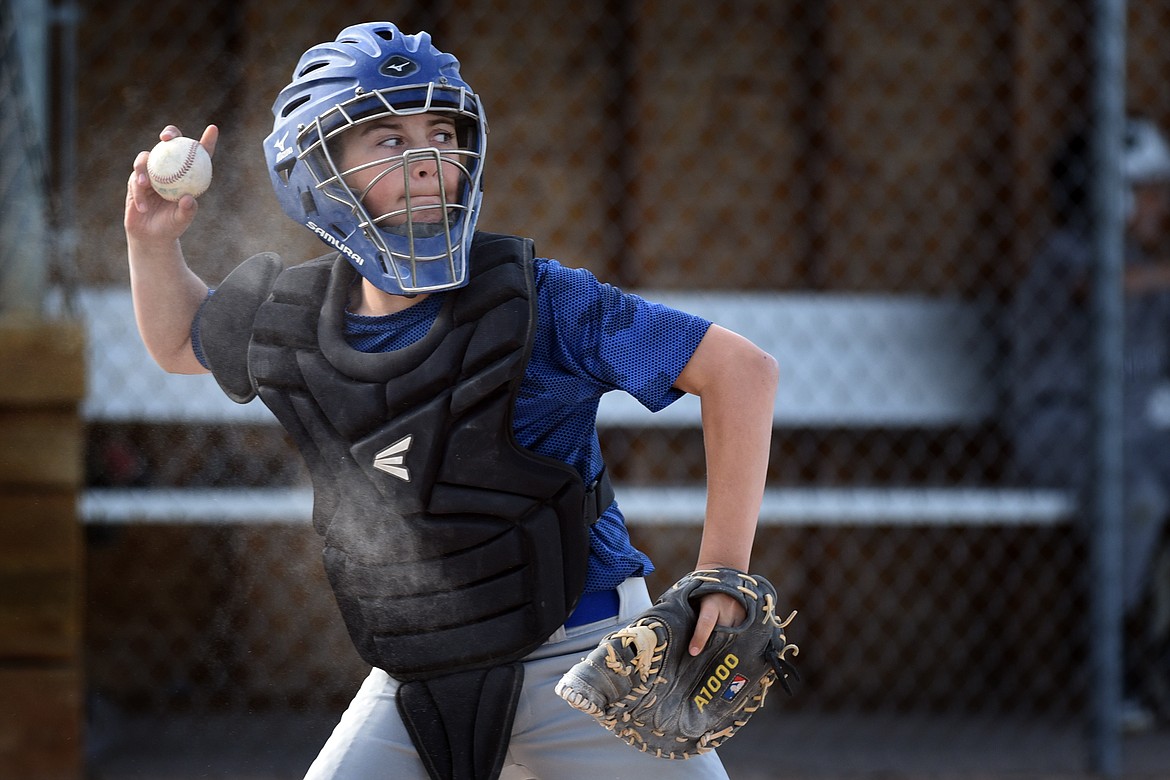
[(770, 368), (759, 367)]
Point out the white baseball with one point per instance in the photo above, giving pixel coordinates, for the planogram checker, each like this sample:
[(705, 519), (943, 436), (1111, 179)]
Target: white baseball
[(178, 167)]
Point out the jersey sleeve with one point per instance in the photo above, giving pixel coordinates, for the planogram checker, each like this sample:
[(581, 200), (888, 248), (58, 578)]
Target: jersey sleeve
[(197, 333), (615, 339)]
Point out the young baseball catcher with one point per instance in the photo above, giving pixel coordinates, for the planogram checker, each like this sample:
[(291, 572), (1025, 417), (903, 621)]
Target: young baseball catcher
[(442, 384)]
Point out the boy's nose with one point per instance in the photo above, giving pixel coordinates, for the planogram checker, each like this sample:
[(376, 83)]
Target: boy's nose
[(422, 162)]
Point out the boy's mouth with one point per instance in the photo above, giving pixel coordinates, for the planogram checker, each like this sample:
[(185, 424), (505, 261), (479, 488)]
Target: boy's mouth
[(418, 228)]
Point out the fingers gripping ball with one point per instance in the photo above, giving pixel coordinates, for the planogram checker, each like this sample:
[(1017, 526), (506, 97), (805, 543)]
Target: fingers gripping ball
[(178, 167), (642, 684)]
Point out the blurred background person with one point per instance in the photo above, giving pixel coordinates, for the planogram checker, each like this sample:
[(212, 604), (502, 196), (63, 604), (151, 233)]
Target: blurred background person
[(1052, 368)]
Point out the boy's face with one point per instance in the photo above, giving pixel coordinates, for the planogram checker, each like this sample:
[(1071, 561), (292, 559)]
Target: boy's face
[(372, 157)]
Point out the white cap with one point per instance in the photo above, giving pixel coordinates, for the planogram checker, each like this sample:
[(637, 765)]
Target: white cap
[(1146, 156)]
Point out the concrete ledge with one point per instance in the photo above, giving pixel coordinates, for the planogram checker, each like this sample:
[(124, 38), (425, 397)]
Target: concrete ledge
[(641, 505)]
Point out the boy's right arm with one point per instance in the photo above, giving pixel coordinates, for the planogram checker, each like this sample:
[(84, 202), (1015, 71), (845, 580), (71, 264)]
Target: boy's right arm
[(166, 293)]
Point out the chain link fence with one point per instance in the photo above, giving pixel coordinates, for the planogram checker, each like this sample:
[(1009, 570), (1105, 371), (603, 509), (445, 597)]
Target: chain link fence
[(887, 195)]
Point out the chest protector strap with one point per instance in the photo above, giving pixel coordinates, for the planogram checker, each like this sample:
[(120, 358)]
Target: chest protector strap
[(452, 551)]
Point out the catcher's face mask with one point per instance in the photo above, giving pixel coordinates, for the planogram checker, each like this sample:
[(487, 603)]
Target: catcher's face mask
[(374, 78)]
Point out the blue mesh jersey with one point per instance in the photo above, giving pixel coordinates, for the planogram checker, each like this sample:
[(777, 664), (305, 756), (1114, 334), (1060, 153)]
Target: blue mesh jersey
[(590, 338)]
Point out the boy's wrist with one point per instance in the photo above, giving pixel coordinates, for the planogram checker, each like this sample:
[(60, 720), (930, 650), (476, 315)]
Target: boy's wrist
[(153, 250)]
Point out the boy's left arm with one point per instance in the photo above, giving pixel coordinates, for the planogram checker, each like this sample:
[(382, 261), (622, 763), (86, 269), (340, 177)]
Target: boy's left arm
[(736, 382)]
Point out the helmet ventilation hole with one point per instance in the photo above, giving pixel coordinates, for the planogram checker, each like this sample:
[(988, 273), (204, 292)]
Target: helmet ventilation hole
[(293, 105)]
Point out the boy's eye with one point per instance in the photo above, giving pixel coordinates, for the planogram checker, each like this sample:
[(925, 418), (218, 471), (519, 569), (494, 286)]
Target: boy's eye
[(439, 137)]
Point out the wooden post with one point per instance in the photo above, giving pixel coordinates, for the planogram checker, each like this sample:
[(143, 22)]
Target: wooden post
[(42, 382)]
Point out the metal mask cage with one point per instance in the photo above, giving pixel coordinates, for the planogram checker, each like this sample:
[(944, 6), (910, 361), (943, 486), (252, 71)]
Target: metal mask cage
[(404, 249)]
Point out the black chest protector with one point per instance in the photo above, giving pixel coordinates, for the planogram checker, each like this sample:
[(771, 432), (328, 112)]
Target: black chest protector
[(448, 546)]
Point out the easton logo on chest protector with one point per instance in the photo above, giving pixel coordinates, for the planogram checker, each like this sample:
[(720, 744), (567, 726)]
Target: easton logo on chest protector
[(392, 460)]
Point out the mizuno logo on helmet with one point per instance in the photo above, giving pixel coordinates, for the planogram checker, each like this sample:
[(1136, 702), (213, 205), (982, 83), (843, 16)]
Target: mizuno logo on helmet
[(392, 460), (281, 146), (398, 66)]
